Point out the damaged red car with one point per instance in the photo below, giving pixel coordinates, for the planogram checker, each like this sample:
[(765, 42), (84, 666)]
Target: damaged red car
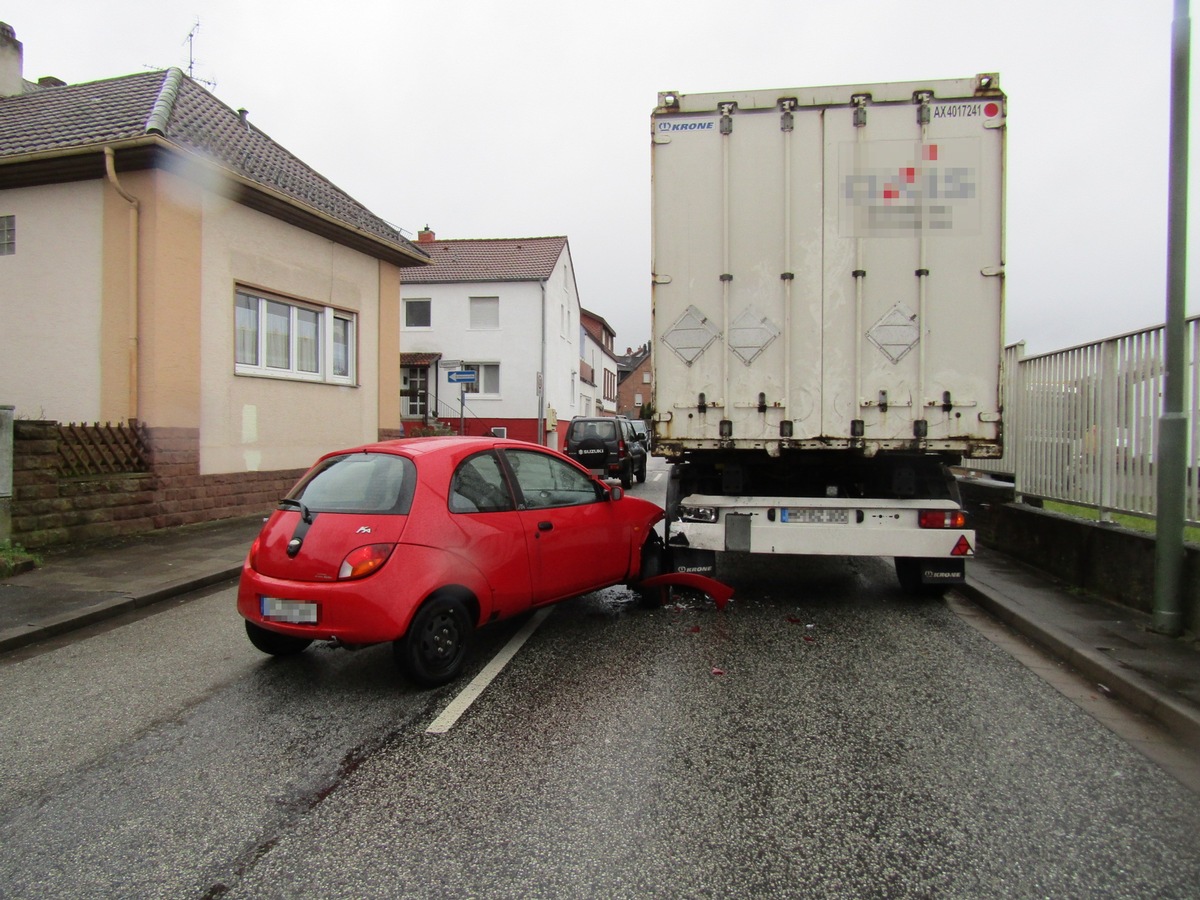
[(420, 542)]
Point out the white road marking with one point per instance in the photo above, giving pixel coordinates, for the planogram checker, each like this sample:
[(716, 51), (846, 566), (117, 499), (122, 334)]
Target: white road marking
[(479, 683)]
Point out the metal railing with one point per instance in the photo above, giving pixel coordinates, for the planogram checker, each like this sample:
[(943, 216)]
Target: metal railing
[(1081, 424)]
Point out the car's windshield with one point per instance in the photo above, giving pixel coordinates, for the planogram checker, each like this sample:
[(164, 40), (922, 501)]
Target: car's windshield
[(361, 483), (581, 431)]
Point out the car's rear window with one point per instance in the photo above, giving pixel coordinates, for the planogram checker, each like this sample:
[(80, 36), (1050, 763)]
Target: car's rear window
[(377, 483), (581, 431)]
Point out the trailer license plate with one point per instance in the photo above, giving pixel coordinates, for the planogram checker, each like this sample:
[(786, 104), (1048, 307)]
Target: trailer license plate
[(815, 516), (293, 611)]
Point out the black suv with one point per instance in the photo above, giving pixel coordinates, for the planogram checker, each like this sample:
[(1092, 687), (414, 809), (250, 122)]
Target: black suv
[(607, 446)]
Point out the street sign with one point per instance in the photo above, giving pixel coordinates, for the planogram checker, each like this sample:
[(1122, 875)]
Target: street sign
[(461, 376)]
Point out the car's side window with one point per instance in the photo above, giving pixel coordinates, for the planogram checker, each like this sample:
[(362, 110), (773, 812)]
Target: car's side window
[(545, 481), (478, 485)]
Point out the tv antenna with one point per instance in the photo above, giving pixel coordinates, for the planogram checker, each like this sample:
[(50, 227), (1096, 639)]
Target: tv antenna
[(190, 40)]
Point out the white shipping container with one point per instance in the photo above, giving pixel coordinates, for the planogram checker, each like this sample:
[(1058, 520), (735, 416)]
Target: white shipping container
[(828, 268)]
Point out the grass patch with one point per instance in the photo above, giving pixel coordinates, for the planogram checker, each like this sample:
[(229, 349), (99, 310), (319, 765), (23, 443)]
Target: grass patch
[(1191, 533), (14, 558)]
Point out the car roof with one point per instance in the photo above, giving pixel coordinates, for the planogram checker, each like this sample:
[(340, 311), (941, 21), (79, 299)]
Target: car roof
[(452, 445)]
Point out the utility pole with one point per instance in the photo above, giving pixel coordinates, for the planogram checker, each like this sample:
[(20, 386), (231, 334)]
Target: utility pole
[(1171, 460)]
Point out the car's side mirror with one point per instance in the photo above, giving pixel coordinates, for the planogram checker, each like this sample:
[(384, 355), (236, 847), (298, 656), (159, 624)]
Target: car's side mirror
[(616, 492)]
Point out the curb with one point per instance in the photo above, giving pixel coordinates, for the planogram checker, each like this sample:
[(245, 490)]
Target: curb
[(24, 635), (1145, 695)]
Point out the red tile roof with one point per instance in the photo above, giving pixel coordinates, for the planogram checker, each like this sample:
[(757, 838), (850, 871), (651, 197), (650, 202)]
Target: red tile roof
[(88, 116), (410, 360), (488, 259)]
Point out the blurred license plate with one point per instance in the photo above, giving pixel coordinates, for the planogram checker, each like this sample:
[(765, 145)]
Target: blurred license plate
[(815, 516), (289, 611)]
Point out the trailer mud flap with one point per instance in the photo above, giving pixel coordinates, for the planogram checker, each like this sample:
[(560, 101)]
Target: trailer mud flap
[(698, 562), (943, 571)]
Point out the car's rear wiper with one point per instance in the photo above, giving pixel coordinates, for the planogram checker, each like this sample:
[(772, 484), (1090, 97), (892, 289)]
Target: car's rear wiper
[(305, 514)]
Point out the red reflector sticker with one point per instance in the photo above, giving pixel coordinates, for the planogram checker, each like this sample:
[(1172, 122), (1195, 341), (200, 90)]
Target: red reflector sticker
[(962, 548)]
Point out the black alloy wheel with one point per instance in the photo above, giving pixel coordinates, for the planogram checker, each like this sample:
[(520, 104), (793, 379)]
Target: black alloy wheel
[(435, 648)]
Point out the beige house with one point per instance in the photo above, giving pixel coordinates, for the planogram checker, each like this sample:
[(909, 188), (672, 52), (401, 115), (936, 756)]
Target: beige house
[(164, 262)]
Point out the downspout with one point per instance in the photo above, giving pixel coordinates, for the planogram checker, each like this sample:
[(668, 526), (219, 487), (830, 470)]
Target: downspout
[(541, 387), (132, 316)]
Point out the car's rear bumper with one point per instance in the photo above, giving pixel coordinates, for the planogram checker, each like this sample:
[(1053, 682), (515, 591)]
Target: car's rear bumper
[(344, 610)]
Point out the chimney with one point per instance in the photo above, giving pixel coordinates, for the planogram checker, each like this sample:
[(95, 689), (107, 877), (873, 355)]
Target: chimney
[(425, 236), (12, 63)]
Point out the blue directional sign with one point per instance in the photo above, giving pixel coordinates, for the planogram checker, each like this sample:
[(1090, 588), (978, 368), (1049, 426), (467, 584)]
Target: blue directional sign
[(461, 376)]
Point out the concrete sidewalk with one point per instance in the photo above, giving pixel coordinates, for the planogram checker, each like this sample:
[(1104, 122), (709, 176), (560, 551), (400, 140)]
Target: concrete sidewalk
[(1108, 644), (80, 585)]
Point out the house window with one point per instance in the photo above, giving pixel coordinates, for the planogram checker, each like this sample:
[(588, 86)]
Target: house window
[(645, 378), (418, 313), (487, 378), (416, 391), (485, 313), (8, 235), (282, 339)]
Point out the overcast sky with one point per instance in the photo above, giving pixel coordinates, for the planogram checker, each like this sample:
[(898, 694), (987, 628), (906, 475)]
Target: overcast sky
[(531, 117)]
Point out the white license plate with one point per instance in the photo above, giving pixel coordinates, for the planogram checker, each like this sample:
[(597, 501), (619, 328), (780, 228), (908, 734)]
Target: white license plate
[(293, 611), (815, 516)]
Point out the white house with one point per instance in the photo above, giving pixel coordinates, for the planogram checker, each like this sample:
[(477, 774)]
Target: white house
[(507, 311), (596, 351)]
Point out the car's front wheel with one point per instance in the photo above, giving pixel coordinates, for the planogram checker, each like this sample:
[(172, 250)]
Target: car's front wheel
[(435, 648), (273, 642)]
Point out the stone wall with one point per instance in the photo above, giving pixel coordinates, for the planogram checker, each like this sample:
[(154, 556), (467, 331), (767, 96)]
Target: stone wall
[(48, 509)]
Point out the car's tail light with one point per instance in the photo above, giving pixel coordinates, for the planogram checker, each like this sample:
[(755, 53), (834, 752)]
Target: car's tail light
[(362, 562), (942, 518), (620, 449)]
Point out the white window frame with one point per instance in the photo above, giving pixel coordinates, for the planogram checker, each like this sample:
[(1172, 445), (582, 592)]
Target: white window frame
[(8, 235), (329, 322), (415, 300), (483, 313), (476, 389)]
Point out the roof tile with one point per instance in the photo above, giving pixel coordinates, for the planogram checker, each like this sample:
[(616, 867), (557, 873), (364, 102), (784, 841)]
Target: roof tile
[(133, 106), (488, 259)]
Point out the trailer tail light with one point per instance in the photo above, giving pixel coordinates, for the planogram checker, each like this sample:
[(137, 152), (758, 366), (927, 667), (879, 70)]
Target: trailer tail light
[(942, 518)]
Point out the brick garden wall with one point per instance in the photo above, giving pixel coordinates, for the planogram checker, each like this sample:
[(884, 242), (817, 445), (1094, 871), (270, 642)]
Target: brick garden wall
[(48, 509)]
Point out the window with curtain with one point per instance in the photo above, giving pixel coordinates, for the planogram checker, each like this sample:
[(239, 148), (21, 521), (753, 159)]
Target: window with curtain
[(485, 313), (284, 339), (418, 313)]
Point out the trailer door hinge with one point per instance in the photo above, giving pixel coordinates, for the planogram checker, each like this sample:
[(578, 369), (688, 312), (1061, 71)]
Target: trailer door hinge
[(860, 109), (727, 117)]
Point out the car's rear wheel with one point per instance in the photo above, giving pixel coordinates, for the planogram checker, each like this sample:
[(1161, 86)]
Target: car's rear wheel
[(273, 642), (641, 472), (627, 476), (435, 648)]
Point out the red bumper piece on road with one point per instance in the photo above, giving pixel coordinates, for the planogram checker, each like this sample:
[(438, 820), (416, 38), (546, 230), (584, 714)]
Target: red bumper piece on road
[(719, 592)]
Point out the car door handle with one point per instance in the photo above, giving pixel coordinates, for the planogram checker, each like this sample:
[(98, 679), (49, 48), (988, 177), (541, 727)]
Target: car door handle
[(545, 526)]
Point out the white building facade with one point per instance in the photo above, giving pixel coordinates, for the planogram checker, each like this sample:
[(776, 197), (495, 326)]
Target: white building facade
[(507, 312)]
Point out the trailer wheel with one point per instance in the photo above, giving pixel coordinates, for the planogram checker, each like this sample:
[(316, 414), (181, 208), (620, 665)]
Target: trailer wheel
[(908, 572)]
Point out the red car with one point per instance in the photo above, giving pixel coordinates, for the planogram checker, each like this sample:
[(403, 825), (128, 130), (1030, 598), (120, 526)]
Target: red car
[(421, 541)]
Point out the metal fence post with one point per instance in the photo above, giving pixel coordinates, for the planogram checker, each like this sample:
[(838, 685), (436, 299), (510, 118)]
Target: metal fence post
[(6, 472)]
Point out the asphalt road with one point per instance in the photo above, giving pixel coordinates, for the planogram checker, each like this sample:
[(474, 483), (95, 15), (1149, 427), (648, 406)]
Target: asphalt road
[(821, 737)]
